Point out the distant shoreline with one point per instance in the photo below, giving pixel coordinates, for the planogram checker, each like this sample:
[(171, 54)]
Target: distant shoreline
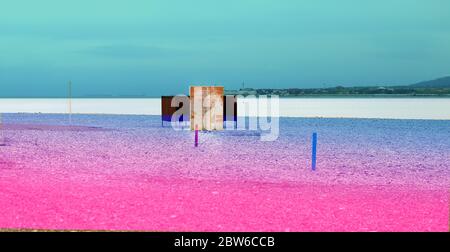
[(281, 96)]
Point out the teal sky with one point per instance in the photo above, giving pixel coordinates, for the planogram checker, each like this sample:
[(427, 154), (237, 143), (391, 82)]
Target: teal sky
[(161, 47)]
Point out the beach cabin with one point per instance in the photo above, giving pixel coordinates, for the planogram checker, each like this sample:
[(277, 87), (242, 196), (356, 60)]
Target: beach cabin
[(206, 108)]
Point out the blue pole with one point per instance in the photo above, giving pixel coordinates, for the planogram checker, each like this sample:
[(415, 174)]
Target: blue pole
[(314, 151)]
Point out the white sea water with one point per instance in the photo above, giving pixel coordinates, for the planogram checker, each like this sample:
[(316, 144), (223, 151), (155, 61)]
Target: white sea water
[(389, 108)]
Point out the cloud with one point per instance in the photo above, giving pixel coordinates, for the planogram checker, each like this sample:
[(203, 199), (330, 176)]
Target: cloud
[(124, 51)]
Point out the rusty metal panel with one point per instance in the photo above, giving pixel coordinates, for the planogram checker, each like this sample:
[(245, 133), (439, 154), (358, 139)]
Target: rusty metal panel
[(196, 107), (206, 107), (216, 107)]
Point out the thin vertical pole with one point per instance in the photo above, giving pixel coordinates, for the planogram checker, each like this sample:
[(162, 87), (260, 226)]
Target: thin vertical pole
[(314, 151), (196, 136), (2, 139), (70, 101)]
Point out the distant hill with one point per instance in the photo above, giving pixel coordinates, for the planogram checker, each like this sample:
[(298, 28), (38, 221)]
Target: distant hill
[(437, 83)]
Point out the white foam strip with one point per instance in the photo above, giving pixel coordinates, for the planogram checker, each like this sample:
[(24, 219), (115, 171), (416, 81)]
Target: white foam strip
[(389, 108)]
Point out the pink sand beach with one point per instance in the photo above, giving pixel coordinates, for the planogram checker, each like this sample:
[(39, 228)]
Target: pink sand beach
[(128, 173)]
